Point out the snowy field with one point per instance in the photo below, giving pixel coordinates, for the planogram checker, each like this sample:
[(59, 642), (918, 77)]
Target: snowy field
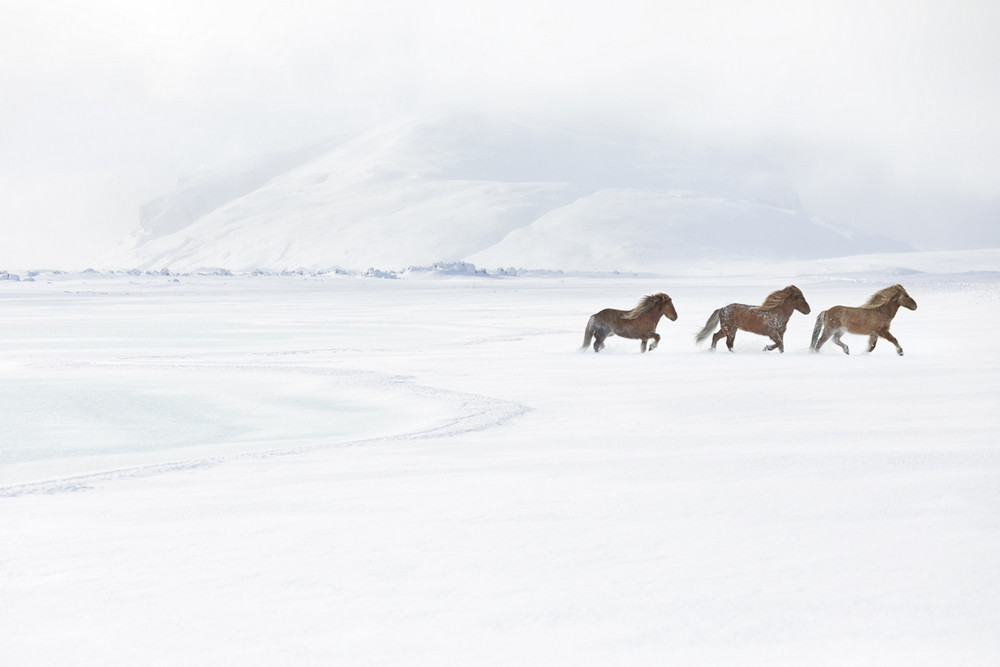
[(341, 470)]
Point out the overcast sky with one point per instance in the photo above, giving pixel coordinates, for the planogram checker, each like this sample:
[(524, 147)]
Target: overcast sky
[(887, 114)]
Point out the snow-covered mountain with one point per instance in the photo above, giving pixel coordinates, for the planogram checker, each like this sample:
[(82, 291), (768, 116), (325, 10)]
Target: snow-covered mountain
[(489, 191)]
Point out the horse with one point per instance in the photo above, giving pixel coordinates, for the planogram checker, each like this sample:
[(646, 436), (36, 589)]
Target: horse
[(872, 319), (640, 322), (768, 319)]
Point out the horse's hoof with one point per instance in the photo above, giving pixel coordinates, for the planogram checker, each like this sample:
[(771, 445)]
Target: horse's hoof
[(900, 353)]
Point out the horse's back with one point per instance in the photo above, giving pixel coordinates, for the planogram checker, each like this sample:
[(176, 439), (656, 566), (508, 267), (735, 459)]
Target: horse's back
[(853, 320), (617, 322), (609, 317), (733, 312), (742, 316)]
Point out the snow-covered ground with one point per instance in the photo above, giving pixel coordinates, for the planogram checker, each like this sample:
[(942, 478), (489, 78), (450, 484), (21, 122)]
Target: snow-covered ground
[(425, 471)]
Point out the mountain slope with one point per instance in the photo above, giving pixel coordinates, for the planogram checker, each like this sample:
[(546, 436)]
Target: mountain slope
[(489, 191)]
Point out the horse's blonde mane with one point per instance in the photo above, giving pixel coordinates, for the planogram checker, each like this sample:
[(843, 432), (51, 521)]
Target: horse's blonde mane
[(645, 304), (775, 299), (881, 297)]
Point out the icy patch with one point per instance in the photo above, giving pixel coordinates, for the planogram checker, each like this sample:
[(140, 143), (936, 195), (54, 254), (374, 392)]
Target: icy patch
[(205, 415)]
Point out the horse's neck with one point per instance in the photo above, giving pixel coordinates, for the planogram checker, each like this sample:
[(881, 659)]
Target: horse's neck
[(654, 315), (890, 307), (785, 309)]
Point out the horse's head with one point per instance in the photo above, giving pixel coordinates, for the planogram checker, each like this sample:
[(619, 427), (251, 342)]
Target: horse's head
[(905, 300), (667, 307), (798, 300)]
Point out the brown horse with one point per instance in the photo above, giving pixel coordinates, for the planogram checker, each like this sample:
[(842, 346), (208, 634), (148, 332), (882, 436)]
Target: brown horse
[(640, 322), (768, 319), (871, 319)]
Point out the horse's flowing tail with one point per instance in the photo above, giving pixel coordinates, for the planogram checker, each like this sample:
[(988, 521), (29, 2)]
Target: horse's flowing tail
[(817, 328), (588, 334), (713, 321)]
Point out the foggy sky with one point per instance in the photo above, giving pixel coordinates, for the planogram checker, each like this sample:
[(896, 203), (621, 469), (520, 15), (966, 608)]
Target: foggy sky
[(885, 113)]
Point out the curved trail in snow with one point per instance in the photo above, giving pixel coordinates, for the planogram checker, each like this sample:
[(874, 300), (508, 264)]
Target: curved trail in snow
[(469, 413)]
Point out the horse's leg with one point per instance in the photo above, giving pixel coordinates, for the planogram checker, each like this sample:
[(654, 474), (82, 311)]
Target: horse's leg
[(656, 341), (779, 344), (827, 332), (730, 339), (599, 337), (871, 341), (718, 335), (884, 333), (642, 348), (842, 344)]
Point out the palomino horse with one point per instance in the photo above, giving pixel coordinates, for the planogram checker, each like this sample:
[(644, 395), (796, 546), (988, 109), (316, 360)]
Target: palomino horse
[(768, 319), (640, 322), (871, 319)]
